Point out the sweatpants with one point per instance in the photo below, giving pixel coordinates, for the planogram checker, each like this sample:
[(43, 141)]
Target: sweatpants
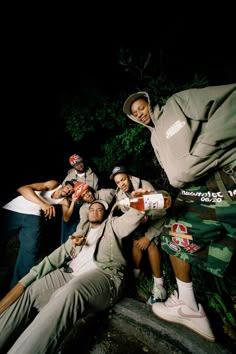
[(50, 306)]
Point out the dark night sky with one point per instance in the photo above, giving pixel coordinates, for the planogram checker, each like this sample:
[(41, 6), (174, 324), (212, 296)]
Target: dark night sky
[(45, 58)]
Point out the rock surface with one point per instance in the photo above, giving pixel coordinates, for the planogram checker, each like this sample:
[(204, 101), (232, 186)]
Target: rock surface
[(131, 327)]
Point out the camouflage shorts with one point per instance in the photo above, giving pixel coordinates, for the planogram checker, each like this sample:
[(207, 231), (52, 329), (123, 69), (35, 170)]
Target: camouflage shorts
[(201, 229)]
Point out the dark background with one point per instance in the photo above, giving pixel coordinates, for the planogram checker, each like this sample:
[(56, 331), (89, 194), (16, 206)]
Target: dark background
[(51, 54)]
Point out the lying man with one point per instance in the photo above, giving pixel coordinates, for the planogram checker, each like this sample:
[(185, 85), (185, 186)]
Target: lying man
[(53, 297)]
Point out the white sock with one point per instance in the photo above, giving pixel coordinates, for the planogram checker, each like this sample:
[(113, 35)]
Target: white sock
[(158, 281), (186, 294), (136, 272)]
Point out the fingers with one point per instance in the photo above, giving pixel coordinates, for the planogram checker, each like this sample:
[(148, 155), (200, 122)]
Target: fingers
[(50, 212), (140, 192), (78, 240)]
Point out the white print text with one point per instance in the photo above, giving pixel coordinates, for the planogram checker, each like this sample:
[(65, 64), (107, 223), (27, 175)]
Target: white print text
[(214, 197)]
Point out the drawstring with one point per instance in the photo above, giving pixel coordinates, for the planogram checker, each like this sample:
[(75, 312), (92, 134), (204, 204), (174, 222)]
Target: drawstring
[(221, 186), (230, 170)]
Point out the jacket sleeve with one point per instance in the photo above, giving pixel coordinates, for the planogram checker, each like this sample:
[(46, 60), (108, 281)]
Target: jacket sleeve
[(70, 175), (96, 182), (106, 194), (48, 264), (189, 139), (155, 228), (125, 224)]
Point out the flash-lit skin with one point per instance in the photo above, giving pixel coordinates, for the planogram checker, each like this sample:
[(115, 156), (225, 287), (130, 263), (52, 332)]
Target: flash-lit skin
[(79, 167), (62, 192), (95, 217), (140, 110), (88, 196), (96, 214), (123, 181), (28, 192), (77, 240)]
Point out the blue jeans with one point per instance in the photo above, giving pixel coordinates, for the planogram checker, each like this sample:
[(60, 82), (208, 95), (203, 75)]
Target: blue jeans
[(28, 228)]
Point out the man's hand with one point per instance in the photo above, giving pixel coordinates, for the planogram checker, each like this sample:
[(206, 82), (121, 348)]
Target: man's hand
[(49, 211), (74, 197), (77, 240), (140, 192), (142, 243), (144, 219)]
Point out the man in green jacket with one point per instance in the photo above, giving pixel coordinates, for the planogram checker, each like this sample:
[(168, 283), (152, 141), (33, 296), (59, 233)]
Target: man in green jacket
[(193, 137), (58, 297), (146, 237), (80, 172)]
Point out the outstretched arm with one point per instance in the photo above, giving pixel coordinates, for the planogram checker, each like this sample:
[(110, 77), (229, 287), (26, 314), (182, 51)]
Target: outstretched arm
[(68, 207)]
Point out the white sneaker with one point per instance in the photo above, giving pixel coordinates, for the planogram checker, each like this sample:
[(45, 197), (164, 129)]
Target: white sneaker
[(158, 295), (175, 310)]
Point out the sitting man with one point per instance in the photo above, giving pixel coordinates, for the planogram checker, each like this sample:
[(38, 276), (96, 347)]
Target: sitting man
[(80, 172), (47, 302), (145, 238)]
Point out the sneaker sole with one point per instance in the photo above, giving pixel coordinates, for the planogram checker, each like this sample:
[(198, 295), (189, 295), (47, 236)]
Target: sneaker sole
[(185, 323)]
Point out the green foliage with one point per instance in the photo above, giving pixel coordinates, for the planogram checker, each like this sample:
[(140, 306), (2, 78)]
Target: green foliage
[(100, 121), (123, 146), (212, 293), (137, 68)]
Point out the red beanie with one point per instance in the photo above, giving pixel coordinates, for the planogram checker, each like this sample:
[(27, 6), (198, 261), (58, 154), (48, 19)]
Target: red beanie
[(80, 188)]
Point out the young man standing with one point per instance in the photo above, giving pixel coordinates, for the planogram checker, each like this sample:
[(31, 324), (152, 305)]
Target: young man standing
[(24, 215), (193, 137)]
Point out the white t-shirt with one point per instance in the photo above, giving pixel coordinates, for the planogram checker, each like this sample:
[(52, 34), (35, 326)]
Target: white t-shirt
[(80, 175), (24, 206), (83, 262)]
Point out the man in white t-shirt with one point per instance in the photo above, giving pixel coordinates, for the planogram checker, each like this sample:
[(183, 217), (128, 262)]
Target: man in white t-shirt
[(23, 216)]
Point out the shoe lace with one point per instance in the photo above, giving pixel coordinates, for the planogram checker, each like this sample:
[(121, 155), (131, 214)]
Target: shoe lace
[(173, 300), (159, 292)]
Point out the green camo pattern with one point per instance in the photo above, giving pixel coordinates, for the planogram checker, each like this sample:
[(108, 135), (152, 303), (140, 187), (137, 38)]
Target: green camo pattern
[(202, 212)]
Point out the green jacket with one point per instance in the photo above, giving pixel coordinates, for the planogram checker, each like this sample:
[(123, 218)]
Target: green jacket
[(156, 217), (108, 253), (194, 132), (89, 177)]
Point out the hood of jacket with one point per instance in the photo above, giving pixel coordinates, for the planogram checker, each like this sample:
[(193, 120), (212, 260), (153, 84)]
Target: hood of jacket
[(134, 97)]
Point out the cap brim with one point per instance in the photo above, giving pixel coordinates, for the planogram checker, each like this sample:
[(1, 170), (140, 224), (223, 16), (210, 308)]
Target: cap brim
[(103, 202), (121, 170), (130, 100)]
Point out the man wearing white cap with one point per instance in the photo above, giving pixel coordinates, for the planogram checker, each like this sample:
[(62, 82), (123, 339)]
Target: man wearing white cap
[(57, 298)]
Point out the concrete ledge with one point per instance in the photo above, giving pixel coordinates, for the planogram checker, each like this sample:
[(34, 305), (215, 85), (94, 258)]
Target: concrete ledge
[(130, 327), (137, 318)]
